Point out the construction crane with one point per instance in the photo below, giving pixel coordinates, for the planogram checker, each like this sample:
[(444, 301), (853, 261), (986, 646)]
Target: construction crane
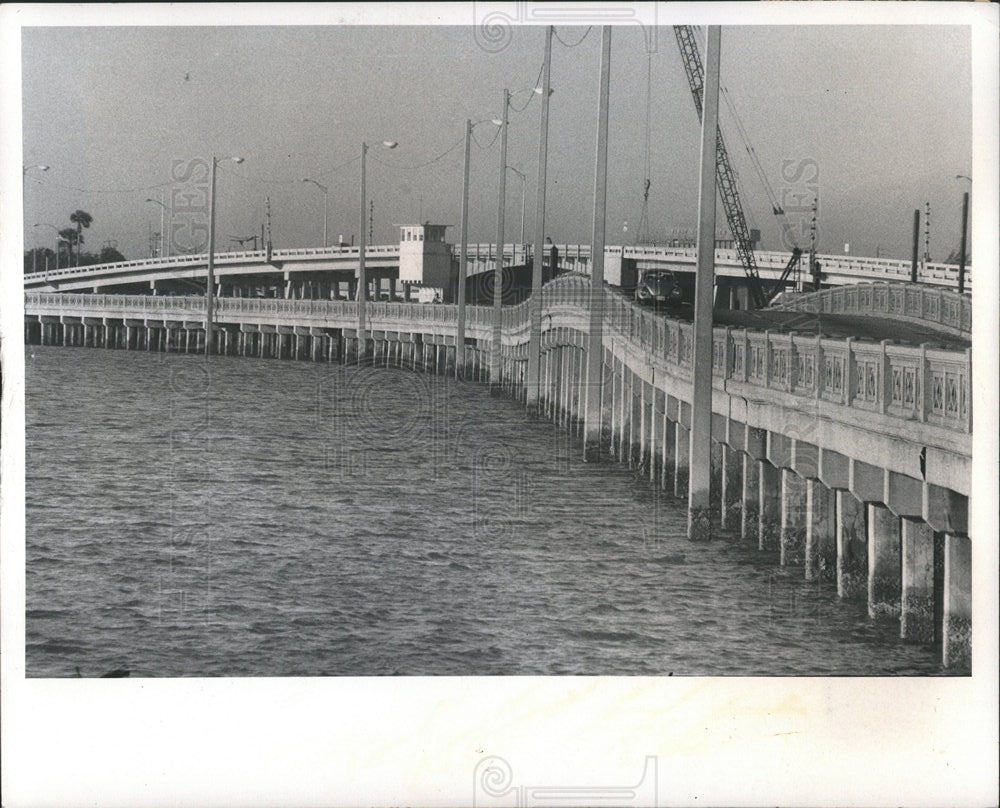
[(759, 294)]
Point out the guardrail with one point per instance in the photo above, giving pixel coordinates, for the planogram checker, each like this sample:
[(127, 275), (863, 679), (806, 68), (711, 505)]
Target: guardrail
[(922, 384), (909, 302), (573, 255)]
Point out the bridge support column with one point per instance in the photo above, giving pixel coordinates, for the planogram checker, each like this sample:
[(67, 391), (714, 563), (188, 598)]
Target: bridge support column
[(715, 476), (883, 562), (643, 462), (682, 460), (794, 510), (614, 415), (769, 510), (569, 378), (821, 532), (656, 438), (635, 424), (852, 550), (750, 490), (669, 460), (956, 632), (731, 503), (917, 603)]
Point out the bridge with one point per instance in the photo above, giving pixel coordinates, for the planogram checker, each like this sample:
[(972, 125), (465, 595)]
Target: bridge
[(848, 458), (330, 272)]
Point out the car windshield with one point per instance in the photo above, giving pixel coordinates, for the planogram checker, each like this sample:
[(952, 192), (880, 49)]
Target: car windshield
[(657, 277)]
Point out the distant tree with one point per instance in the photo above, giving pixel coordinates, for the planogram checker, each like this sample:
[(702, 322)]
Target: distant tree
[(81, 219), (110, 255), (39, 259), (68, 236)]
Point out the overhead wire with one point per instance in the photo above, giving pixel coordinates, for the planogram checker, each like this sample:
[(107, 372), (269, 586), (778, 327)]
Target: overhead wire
[(555, 32), (748, 146)]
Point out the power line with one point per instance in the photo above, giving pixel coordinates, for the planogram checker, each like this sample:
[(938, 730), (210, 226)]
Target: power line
[(555, 33), (433, 160)]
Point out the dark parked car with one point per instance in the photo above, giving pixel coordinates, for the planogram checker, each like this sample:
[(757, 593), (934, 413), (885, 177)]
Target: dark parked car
[(659, 288)]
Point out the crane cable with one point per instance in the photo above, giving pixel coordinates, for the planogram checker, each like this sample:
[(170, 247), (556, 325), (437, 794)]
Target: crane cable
[(642, 231), (751, 151)]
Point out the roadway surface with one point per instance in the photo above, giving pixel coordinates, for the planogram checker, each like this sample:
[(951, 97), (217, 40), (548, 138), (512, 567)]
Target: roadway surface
[(831, 325)]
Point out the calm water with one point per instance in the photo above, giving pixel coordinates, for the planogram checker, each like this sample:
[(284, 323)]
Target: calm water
[(277, 518)]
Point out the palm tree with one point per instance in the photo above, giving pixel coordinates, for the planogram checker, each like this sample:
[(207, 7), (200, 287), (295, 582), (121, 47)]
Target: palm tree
[(81, 219), (68, 236)]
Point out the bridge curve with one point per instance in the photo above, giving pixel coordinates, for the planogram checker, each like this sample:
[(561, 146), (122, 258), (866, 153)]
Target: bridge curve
[(339, 264), (848, 457)]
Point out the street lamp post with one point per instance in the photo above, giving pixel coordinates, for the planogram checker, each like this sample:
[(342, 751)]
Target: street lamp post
[(362, 276), (498, 269), (533, 380), (326, 207), (595, 335), (523, 179), (163, 224), (210, 273), (699, 524), (462, 253), (965, 227)]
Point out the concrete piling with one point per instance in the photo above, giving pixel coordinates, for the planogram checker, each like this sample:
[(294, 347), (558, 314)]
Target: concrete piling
[(852, 547), (917, 601), (883, 562), (821, 532), (793, 518), (956, 636)]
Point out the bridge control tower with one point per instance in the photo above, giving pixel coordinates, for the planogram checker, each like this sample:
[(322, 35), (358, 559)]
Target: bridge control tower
[(425, 258)]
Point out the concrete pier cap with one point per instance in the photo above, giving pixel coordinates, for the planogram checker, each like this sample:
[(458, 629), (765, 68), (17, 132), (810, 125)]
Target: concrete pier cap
[(833, 470)]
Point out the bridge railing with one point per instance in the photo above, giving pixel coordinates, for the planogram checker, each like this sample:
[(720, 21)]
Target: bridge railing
[(901, 301), (923, 384), (916, 383)]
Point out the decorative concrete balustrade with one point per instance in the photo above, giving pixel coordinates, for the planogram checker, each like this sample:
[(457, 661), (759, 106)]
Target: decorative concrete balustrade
[(944, 309), (848, 458)]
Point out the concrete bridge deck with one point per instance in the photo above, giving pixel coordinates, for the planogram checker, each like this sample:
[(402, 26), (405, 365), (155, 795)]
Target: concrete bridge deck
[(339, 264)]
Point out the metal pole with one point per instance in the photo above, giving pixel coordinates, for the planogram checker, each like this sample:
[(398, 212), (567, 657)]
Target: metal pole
[(524, 183), (362, 277), (595, 341), (533, 380), (326, 218), (210, 279), (961, 249), (916, 245), (498, 269), (463, 252), (163, 224), (700, 458)]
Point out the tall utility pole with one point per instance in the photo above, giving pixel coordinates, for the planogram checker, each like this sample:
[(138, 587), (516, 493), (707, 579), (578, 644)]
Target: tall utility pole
[(362, 275), (700, 475), (462, 252), (916, 245), (210, 271), (961, 249), (495, 359), (812, 245), (595, 336), (532, 380), (927, 232)]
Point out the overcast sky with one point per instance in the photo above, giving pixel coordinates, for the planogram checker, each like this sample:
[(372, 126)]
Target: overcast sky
[(884, 111)]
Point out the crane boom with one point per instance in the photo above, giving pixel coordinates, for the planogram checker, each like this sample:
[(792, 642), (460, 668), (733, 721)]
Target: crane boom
[(724, 169)]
